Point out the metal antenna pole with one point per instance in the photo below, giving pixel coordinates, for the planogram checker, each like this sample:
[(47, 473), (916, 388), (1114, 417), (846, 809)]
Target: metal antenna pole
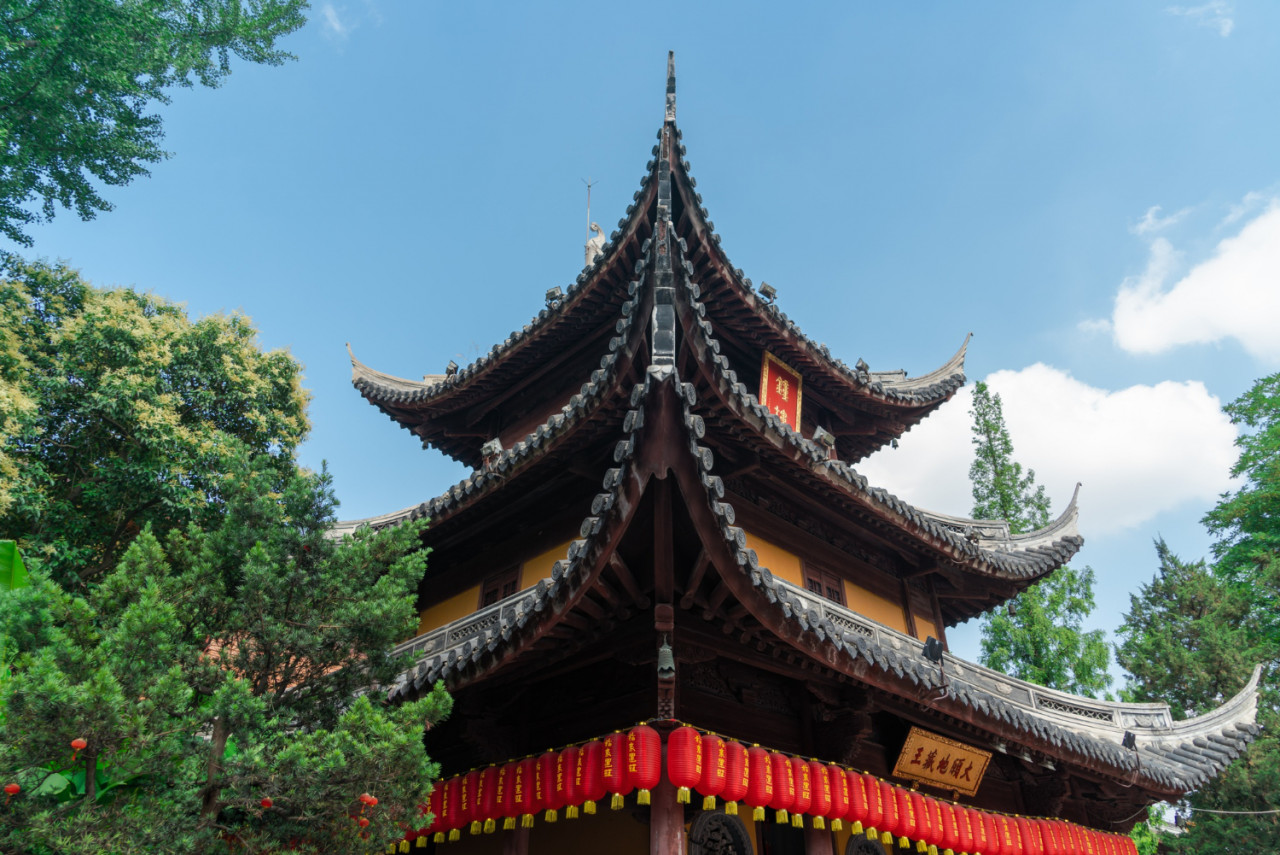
[(587, 181)]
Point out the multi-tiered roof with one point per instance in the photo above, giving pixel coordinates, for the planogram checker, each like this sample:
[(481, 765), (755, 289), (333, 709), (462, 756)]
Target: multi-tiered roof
[(626, 411)]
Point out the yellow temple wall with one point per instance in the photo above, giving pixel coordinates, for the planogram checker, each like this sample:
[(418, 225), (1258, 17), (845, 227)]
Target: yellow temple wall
[(790, 567), (462, 604), (781, 563), (882, 609), (925, 627)]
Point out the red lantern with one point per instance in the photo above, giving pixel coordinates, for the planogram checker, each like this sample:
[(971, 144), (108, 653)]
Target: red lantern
[(859, 803), (964, 829), (715, 769), (893, 818), (266, 803), (566, 786), (526, 791), (452, 807), (1127, 846), (545, 785), (784, 786), (803, 782), (838, 784), (614, 769), (949, 839), (820, 806), (435, 807), (469, 816), (644, 760), (994, 844), (77, 745), (760, 781), (684, 761), (933, 835), (363, 822), (1009, 835), (506, 796), (908, 825), (589, 775), (1029, 833), (737, 776), (11, 790), (487, 806)]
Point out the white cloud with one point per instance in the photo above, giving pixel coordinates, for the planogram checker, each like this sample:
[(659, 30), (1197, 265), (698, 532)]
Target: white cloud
[(1247, 205), (334, 25), (1152, 222), (1138, 451), (1216, 14), (1235, 294)]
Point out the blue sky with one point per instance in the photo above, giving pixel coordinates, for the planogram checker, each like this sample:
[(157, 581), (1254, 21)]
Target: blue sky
[(1089, 188)]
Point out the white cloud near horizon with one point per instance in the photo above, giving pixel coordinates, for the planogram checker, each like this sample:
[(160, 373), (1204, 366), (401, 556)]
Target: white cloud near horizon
[(1234, 294), (334, 25), (1138, 451), (1152, 222), (1216, 14)]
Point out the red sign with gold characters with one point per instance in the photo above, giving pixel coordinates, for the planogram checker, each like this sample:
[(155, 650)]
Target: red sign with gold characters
[(780, 390), (941, 762)]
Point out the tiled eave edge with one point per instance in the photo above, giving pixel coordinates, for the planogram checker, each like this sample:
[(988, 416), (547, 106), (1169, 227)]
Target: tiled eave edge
[(387, 391), (1021, 558), (1054, 723), (474, 646), (891, 388), (538, 443)]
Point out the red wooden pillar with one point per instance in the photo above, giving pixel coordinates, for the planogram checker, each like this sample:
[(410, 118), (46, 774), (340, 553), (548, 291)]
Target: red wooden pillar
[(515, 842), (818, 841), (666, 821)]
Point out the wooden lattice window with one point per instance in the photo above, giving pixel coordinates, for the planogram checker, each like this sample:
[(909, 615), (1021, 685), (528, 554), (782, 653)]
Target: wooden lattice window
[(824, 584), (500, 586)]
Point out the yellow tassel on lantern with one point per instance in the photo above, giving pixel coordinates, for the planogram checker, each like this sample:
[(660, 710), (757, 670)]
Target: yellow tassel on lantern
[(509, 824), (933, 849), (709, 803), (757, 814), (404, 845), (921, 846), (439, 837), (617, 802), (904, 843), (642, 797), (571, 812), (836, 825), (948, 852), (526, 820), (490, 826), (887, 838), (780, 817), (477, 826), (421, 842), (797, 821), (391, 849), (550, 815), (682, 795), (819, 823), (454, 834), (856, 828), (589, 808)]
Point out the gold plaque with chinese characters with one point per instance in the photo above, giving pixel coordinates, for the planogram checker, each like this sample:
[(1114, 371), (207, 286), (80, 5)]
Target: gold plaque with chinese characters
[(780, 391), (941, 762)]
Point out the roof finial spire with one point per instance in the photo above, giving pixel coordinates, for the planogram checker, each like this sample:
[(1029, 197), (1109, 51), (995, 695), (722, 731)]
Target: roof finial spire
[(671, 86)]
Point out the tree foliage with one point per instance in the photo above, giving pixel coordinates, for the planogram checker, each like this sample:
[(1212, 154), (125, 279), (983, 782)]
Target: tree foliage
[(210, 671), (1193, 635), (118, 413), (1040, 637), (78, 78)]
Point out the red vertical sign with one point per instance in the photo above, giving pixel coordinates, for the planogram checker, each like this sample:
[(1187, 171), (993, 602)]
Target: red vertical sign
[(780, 390)]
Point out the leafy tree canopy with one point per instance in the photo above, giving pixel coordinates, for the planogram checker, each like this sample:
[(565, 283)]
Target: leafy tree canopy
[(78, 78), (118, 412), (1040, 637), (214, 669)]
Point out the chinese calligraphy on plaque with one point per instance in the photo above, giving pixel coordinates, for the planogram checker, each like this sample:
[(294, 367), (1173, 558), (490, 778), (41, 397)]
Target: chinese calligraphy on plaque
[(780, 390), (941, 762)]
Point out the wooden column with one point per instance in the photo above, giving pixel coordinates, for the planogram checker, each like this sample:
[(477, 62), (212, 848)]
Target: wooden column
[(817, 842), (515, 842), (666, 821)]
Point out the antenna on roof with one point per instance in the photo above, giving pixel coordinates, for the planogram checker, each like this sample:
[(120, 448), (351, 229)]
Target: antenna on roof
[(587, 181), (594, 246)]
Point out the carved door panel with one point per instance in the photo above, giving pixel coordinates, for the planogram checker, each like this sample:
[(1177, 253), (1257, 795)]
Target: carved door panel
[(718, 834)]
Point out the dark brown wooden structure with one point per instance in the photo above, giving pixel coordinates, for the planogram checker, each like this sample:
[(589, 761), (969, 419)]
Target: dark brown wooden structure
[(631, 491)]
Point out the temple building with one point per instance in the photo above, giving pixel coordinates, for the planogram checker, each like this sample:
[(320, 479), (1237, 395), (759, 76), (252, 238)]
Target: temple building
[(666, 588)]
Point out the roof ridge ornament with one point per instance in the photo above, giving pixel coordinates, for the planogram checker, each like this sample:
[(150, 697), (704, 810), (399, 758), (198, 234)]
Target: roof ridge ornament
[(671, 86)]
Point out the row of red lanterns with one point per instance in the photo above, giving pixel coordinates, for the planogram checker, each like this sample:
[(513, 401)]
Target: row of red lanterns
[(715, 767)]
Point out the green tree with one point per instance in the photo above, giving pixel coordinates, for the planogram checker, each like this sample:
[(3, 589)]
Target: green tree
[(208, 673), (1040, 636), (1192, 636), (78, 78), (123, 413)]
